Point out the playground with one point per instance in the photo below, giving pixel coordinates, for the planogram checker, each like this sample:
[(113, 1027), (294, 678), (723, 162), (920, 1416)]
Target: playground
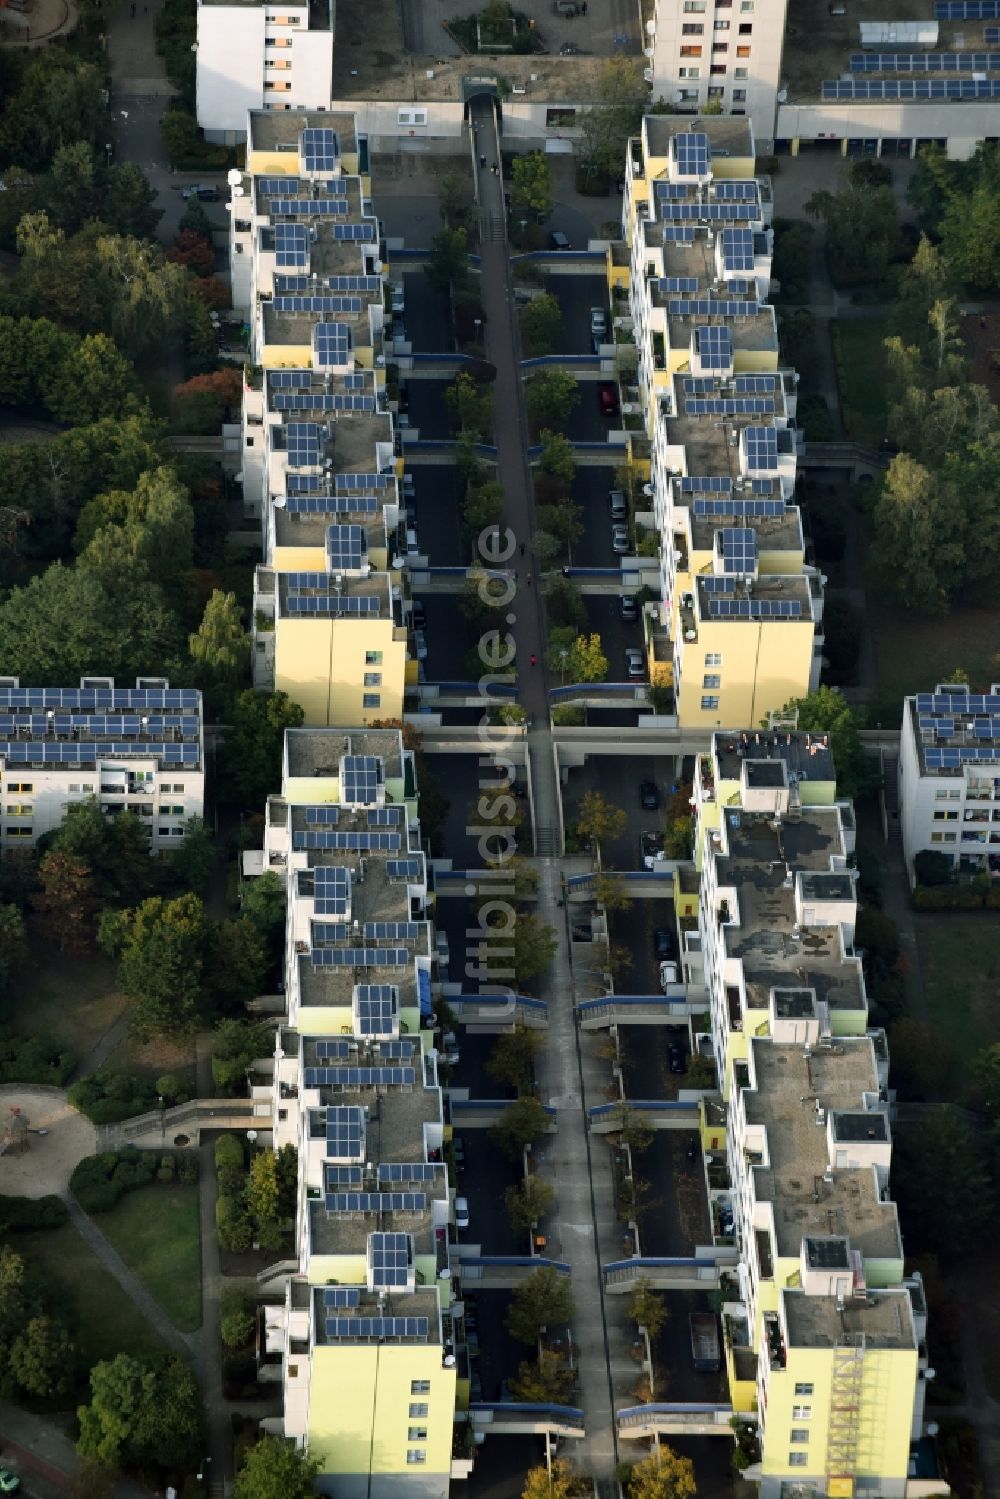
[(41, 1139)]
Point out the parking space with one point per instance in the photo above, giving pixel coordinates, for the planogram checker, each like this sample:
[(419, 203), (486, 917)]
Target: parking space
[(426, 315), (634, 930), (451, 641), (576, 295), (499, 1355), (487, 1175), (459, 778), (435, 499), (650, 1055), (618, 778), (677, 1218), (471, 1072), (713, 1469), (591, 488), (604, 618), (427, 409), (676, 1378), (501, 1463), (588, 423)]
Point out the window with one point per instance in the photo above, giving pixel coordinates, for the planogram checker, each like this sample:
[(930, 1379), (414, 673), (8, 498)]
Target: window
[(944, 837), (741, 73), (719, 49), (746, 6), (694, 7), (945, 816), (172, 811), (23, 786), (716, 93), (798, 1459), (560, 118), (423, 1387), (414, 1455), (713, 658), (939, 796), (955, 795), (746, 28), (804, 1389), (690, 51), (18, 832), (799, 1434), (709, 702), (282, 88), (418, 1409), (19, 809), (373, 658), (373, 679), (802, 1412), (416, 1434), (371, 700), (689, 72), (719, 68), (739, 94), (411, 117), (721, 26), (742, 51), (709, 680), (693, 28)]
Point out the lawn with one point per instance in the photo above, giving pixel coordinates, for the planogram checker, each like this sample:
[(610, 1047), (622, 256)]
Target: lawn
[(914, 652), (156, 1232), (960, 963), (73, 1001), (861, 377), (106, 1321)]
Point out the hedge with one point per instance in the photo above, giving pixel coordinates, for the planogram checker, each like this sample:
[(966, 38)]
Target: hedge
[(99, 1181), (29, 1059), (106, 1096), (972, 897), (23, 1214)]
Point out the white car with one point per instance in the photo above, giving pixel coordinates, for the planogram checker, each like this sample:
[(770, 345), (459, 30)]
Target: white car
[(634, 663), (461, 1212), (669, 974)]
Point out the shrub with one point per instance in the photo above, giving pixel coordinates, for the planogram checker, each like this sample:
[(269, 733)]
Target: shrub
[(232, 1224), (236, 1327), (229, 1151), (100, 1180), (106, 1096), (187, 1169), (27, 1213), (948, 898), (30, 1059), (172, 1089), (239, 1376)]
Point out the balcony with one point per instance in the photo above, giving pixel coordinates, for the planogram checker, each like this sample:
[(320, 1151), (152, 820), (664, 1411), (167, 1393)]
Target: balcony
[(762, 1239), (659, 352), (776, 1353)]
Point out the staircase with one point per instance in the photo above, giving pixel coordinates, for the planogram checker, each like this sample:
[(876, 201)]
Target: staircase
[(491, 228), (546, 842), (845, 1410)]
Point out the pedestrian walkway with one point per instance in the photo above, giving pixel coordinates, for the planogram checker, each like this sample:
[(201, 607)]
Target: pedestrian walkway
[(44, 1455)]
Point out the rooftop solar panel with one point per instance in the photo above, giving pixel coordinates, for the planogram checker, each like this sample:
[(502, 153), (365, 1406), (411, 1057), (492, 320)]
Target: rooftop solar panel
[(761, 448), (291, 246), (714, 346), (318, 149), (737, 546), (737, 249), (331, 344), (691, 153)]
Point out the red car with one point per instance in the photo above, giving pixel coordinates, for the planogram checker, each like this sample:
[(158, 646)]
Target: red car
[(607, 394)]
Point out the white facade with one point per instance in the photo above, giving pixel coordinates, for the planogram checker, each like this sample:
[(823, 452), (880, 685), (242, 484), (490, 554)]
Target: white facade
[(261, 56), (138, 750), (949, 778)]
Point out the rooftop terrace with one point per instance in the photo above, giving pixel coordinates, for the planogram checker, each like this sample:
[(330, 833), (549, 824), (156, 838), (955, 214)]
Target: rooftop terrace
[(883, 1319), (805, 755), (278, 130), (318, 752)]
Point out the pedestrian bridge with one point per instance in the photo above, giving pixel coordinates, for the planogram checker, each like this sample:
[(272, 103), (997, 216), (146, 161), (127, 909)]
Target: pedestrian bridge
[(638, 1422)]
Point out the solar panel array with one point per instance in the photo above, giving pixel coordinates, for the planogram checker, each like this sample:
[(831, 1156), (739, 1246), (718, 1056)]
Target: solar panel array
[(678, 234), (395, 1048), (364, 482), (342, 1176), (730, 406), (389, 1259), (32, 752), (991, 36), (365, 231), (318, 149), (710, 307), (706, 484), (738, 548), (334, 604), (100, 699), (303, 441), (317, 302), (714, 345), (331, 344), (966, 10), (100, 725), (409, 1171), (346, 547), (376, 1202), (731, 608), (912, 88), (305, 484), (360, 1077), (376, 1328), (323, 816), (385, 817), (392, 931), (376, 1008), (958, 702), (684, 284), (737, 249), (405, 869), (278, 187), (755, 385), (332, 884), (328, 504), (345, 1131), (327, 208), (342, 1296), (707, 213), (291, 246), (925, 62), (741, 192), (360, 775), (356, 842), (289, 379), (746, 509), (354, 283), (360, 957), (327, 1049), (761, 447), (691, 153), (954, 759)]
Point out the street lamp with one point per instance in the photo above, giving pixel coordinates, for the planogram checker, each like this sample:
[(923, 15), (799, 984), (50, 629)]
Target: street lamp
[(563, 658), (252, 1137), (163, 1119)]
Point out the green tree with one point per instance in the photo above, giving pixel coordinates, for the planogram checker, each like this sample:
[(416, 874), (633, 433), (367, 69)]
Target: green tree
[(527, 1202), (15, 1299), (191, 862), (482, 508), (262, 1199), (58, 99), (547, 1380), (115, 850), (541, 323), (622, 95), (235, 1045), (647, 1308), (535, 946), (598, 819), (70, 188), (564, 523), (793, 257), (564, 602), (551, 398), (448, 265), (557, 457), (521, 1123), (129, 205), (272, 1469), (145, 295), (531, 186), (263, 903), (609, 892), (43, 1357), (986, 1078), (142, 1414), (220, 647), (826, 712), (662, 1475), (544, 1299), (67, 901), (288, 1180), (237, 1323), (251, 757), (512, 1060), (967, 217), (470, 406), (161, 947), (559, 1481), (455, 201), (861, 229), (13, 945)]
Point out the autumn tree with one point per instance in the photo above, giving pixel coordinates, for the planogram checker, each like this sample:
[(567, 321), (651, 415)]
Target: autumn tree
[(42, 1357), (531, 186), (528, 1201), (535, 944), (262, 1199), (647, 1308), (662, 1475), (521, 1123), (596, 818), (512, 1060), (557, 457), (547, 1380), (560, 1480), (67, 900)]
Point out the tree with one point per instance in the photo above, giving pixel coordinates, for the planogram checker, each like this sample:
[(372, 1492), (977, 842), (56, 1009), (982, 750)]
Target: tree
[(192, 861), (470, 406), (58, 99), (512, 1060), (919, 547), (557, 457), (251, 758), (662, 1475), (531, 184), (635, 1133), (793, 257), (541, 323), (448, 265), (70, 189), (145, 296), (236, 1324), (273, 1469), (220, 647), (559, 1481), (944, 1186), (235, 962), (551, 398), (288, 1180), (114, 849), (598, 819), (528, 1201), (482, 509), (262, 1198), (609, 892), (67, 900), (234, 1046), (931, 866), (42, 1357), (13, 945), (161, 947), (861, 229), (564, 523), (535, 946), (587, 661), (547, 1380), (521, 1123), (966, 217), (455, 202), (129, 205), (193, 252), (141, 1413), (263, 903), (826, 712), (622, 95), (544, 1299), (647, 1308), (564, 602)]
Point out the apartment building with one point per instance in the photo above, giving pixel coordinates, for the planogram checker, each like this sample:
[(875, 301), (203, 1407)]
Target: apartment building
[(137, 749), (362, 1341), (949, 777), (738, 629), (826, 1335), (321, 464), (255, 54)]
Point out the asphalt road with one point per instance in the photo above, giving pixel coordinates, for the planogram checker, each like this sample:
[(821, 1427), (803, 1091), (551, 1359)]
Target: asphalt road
[(591, 487), (646, 1060), (451, 641), (633, 930), (618, 778), (487, 1175), (500, 1355), (673, 1226), (604, 619), (426, 315), (672, 1356), (439, 533), (588, 422), (576, 295), (501, 1463), (427, 409)]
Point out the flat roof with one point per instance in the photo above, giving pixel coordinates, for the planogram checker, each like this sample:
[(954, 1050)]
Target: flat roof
[(764, 774), (755, 333), (297, 327), (352, 448), (773, 587), (826, 885), (279, 130), (884, 1319), (971, 728), (727, 135), (394, 1129), (422, 1302), (319, 751), (774, 533), (705, 440), (806, 755), (808, 1199), (375, 585)]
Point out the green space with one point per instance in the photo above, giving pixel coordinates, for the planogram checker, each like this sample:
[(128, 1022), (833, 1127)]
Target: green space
[(914, 651), (72, 1000), (960, 963), (156, 1232), (105, 1321), (861, 377)]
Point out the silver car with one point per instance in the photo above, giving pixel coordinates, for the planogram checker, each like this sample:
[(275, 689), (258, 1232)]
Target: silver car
[(619, 539)]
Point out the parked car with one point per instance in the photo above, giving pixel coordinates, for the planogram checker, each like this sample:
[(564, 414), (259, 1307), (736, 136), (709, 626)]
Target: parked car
[(669, 974), (619, 539), (203, 191), (628, 607), (420, 644), (419, 614), (649, 797), (665, 943), (568, 49), (651, 849), (635, 665), (598, 322), (607, 395), (619, 504), (558, 241), (398, 297), (461, 1212), (675, 1056)]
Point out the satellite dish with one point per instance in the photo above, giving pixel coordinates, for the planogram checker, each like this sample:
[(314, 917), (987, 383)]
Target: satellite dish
[(234, 177), (280, 501), (377, 264), (650, 28), (239, 192), (932, 1428)]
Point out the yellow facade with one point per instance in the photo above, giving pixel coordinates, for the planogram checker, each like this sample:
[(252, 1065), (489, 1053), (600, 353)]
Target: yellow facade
[(359, 1405), (685, 901), (286, 163), (286, 356), (765, 663), (321, 664)]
